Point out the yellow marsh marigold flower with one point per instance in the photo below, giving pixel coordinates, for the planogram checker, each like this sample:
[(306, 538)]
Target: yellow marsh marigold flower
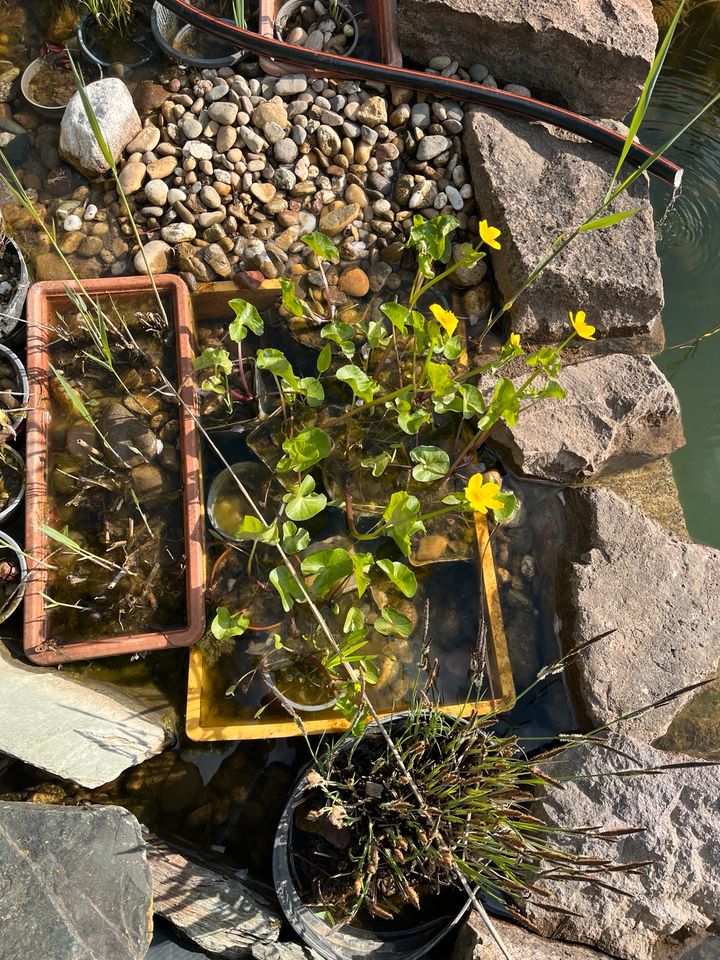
[(483, 496), (514, 339), (446, 318), (489, 235), (582, 329)]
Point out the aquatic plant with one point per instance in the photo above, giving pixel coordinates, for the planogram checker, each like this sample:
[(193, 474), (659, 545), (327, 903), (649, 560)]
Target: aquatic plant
[(114, 15)]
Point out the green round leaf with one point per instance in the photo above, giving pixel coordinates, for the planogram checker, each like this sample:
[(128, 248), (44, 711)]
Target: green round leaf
[(431, 464)]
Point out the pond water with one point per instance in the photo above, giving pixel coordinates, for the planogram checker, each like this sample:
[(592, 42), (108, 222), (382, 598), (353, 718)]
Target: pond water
[(689, 245)]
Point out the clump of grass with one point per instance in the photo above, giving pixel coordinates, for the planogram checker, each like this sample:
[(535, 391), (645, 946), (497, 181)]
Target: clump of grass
[(111, 14), (386, 856)]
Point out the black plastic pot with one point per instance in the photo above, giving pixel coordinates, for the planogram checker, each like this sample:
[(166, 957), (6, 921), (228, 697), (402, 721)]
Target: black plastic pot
[(10, 315), (350, 942), (92, 44)]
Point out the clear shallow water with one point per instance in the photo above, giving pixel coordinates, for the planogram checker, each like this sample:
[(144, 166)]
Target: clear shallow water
[(689, 245)]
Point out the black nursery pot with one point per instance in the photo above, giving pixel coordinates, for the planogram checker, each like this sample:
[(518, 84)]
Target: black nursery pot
[(100, 48), (389, 941)]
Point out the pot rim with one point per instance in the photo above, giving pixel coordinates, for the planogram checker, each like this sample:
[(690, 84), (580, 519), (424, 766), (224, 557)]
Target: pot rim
[(7, 542), (290, 6), (47, 111), (24, 384), (10, 317), (34, 641), (13, 504), (200, 63)]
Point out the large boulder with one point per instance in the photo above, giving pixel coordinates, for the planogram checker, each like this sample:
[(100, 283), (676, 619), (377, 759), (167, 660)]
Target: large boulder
[(534, 182), (118, 119), (82, 733), (668, 909), (75, 884), (559, 48), (620, 412), (474, 943), (622, 571)]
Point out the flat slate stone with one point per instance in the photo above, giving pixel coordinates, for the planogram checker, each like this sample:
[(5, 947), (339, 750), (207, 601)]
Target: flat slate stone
[(622, 571), (534, 182), (216, 912), (619, 412), (71, 729), (74, 884), (590, 55)]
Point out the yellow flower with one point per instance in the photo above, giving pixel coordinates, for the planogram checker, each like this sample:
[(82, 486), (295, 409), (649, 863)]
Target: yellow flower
[(446, 318), (582, 329), (515, 340), (489, 235), (482, 496)]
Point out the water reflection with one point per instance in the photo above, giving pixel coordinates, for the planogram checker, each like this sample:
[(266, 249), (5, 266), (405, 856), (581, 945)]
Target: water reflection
[(689, 244)]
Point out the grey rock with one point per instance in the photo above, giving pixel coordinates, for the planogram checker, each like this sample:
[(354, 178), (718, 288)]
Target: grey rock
[(433, 146), (286, 151), (557, 48), (224, 113), (77, 883), (474, 943), (156, 192), (220, 90), (252, 140), (283, 951), (622, 571), (119, 121), (81, 732), (131, 442), (614, 276), (673, 904), (620, 412), (190, 126), (198, 150)]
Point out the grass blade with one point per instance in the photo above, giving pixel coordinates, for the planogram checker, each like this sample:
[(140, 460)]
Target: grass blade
[(647, 91)]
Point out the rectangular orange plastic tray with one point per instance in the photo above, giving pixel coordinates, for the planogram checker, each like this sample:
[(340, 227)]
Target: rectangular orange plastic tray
[(207, 716)]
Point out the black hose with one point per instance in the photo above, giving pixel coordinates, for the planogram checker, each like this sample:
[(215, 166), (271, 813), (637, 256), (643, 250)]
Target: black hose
[(329, 63)]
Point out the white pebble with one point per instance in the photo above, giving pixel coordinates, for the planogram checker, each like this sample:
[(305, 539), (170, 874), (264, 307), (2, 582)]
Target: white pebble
[(72, 224), (91, 212)]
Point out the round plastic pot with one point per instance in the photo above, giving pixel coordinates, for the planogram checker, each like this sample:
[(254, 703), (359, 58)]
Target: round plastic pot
[(52, 113), (10, 316), (167, 26), (89, 37), (7, 543), (292, 6), (349, 942), (19, 464), (23, 386)]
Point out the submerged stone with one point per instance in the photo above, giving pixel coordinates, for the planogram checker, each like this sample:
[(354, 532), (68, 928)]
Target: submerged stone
[(76, 884)]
